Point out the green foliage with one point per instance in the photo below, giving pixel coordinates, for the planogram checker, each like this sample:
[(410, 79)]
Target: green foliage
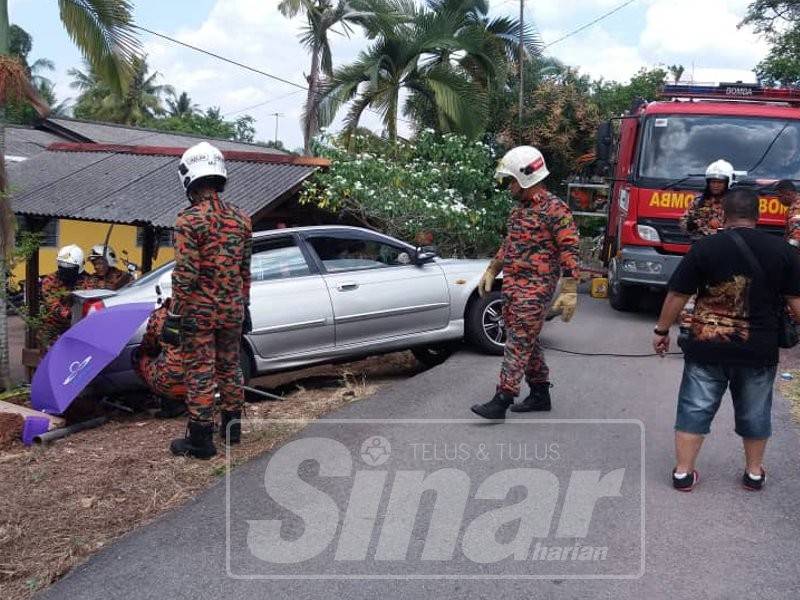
[(209, 124), (140, 103), (614, 98), (439, 184), (445, 56), (779, 22)]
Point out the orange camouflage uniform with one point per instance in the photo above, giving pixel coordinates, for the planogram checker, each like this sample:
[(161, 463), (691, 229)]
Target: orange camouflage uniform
[(542, 244), (793, 222), (210, 287), (113, 280), (161, 365), (57, 307), (703, 217)]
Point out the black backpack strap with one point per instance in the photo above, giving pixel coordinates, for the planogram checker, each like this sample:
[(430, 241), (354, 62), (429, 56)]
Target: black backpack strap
[(755, 264)]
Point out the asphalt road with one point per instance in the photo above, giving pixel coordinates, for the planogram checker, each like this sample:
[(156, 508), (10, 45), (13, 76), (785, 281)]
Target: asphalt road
[(716, 542)]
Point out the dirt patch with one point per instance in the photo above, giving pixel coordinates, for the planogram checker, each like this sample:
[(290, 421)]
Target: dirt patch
[(61, 503)]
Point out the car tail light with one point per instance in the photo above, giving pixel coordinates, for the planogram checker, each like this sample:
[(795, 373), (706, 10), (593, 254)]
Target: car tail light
[(91, 306)]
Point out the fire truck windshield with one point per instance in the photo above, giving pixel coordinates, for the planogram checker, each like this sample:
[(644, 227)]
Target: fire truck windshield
[(674, 147)]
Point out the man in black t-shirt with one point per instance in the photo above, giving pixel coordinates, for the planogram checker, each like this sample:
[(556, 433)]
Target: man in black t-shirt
[(743, 278)]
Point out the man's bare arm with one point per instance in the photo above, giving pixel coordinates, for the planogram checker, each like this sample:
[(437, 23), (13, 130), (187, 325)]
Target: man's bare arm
[(671, 310)]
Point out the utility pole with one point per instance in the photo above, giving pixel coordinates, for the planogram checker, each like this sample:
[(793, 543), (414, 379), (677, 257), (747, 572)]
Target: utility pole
[(277, 116), (521, 59)]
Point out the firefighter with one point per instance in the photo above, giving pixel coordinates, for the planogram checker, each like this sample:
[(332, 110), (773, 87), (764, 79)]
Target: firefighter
[(787, 194), (106, 274), (210, 297), (704, 215), (56, 290), (542, 243), (161, 365)]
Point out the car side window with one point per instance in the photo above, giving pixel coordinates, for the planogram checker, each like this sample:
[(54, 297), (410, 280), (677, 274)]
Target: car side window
[(278, 259), (350, 254)]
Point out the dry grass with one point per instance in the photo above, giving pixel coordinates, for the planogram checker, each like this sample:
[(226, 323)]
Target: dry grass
[(59, 504)]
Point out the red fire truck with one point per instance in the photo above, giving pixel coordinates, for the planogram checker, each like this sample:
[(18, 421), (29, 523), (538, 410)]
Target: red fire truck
[(657, 156)]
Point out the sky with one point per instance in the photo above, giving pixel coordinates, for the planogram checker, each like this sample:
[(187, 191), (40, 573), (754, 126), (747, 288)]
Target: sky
[(702, 35)]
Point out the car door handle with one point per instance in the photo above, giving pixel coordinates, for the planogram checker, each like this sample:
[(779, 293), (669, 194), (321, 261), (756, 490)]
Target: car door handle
[(346, 286)]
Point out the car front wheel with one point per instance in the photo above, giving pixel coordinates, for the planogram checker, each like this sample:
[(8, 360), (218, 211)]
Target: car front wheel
[(485, 327)]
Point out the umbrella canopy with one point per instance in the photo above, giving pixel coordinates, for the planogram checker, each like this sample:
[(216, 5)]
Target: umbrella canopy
[(82, 352)]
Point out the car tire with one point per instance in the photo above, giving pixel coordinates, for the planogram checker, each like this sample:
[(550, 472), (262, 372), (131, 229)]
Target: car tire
[(433, 356), (621, 297), (246, 364), (485, 328)]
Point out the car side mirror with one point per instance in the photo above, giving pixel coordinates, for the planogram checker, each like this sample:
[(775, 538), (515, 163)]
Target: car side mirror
[(424, 255)]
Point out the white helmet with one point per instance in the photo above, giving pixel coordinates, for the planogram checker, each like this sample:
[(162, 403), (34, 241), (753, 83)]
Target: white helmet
[(523, 163), (107, 252), (720, 169), (200, 161), (70, 256)]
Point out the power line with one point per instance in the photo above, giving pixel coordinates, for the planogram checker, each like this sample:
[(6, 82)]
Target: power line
[(242, 65), (589, 24), (260, 104)]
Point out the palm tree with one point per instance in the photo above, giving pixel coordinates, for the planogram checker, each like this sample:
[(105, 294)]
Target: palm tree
[(321, 17), (138, 104), (676, 71), (181, 106), (103, 30), (447, 55)]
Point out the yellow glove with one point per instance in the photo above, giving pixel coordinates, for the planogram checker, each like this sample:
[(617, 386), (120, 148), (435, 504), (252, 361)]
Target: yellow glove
[(487, 280), (567, 300)]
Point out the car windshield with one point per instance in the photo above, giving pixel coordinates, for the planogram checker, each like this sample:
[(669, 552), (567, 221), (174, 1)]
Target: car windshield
[(674, 147), (153, 276)]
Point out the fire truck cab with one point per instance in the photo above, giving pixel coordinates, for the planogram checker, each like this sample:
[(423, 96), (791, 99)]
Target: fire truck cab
[(657, 155)]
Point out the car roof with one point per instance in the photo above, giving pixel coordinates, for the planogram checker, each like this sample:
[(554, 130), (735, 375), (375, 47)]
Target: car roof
[(322, 229)]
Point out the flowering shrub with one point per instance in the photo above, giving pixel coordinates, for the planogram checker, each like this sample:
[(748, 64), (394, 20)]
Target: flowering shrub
[(439, 186)]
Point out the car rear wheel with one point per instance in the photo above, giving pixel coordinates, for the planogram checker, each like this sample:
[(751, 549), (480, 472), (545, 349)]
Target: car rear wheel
[(433, 356), (485, 327), (246, 363)]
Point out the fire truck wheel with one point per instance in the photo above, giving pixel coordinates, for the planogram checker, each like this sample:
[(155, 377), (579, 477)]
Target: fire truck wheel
[(624, 298)]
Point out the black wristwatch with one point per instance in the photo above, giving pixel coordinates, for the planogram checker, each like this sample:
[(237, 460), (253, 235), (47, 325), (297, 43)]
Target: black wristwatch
[(660, 332)]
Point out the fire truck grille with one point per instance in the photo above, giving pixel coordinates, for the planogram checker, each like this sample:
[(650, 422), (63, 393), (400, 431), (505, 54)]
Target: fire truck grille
[(670, 231)]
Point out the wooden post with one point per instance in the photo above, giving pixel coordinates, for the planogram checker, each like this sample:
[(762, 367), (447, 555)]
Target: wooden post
[(30, 353), (148, 247)]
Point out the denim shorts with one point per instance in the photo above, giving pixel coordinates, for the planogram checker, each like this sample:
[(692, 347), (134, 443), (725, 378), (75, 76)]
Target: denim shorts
[(701, 392)]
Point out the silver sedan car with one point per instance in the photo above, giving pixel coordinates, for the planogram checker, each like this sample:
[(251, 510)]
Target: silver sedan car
[(334, 293)]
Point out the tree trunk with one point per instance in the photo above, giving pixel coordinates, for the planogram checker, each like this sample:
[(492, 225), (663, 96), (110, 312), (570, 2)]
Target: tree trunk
[(311, 125), (5, 369)]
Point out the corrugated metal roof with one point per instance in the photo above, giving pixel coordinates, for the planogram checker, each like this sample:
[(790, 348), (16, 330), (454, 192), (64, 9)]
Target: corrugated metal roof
[(25, 142), (131, 188), (110, 133)]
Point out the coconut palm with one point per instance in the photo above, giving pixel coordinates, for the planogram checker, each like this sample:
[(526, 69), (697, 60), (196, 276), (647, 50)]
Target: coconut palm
[(321, 18), (103, 30), (443, 65), (140, 102), (181, 106)]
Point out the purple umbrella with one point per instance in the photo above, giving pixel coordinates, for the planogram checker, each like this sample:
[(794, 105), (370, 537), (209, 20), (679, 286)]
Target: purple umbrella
[(82, 352)]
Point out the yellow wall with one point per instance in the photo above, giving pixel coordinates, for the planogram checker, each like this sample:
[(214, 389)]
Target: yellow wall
[(86, 235)]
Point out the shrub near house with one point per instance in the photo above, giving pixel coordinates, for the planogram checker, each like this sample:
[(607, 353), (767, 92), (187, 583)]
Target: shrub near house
[(438, 184)]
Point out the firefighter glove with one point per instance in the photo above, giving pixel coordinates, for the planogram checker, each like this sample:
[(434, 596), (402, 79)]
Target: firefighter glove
[(567, 300), (487, 280), (171, 333)]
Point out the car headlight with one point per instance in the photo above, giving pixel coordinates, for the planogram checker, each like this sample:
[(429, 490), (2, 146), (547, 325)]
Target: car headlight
[(647, 233)]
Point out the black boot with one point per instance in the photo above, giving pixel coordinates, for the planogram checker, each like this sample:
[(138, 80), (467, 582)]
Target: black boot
[(538, 400), (170, 408), (231, 434), (495, 409), (198, 441)]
